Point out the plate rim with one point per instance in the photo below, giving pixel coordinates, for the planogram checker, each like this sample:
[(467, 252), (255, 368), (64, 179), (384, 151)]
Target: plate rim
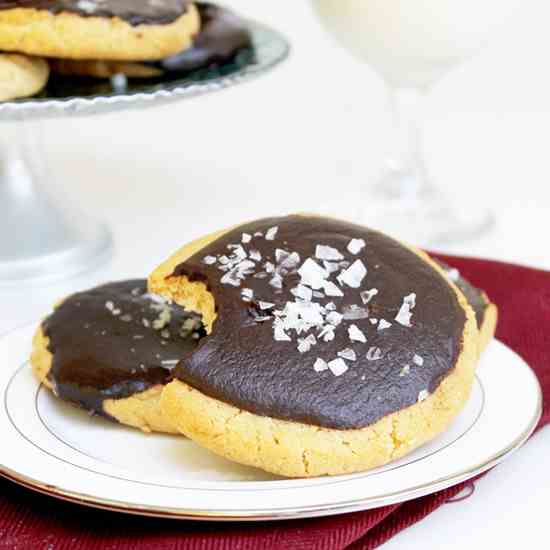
[(287, 512)]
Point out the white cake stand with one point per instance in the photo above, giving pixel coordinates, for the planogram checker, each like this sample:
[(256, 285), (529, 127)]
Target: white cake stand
[(41, 239)]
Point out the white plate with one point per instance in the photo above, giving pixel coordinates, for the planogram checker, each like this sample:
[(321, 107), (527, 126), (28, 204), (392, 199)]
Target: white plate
[(54, 448)]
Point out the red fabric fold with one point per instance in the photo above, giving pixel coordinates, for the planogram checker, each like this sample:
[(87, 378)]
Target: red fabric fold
[(30, 520)]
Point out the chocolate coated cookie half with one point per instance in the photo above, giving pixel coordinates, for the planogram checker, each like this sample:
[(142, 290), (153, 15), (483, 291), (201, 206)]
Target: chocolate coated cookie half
[(111, 350), (486, 312), (330, 348), (122, 30)]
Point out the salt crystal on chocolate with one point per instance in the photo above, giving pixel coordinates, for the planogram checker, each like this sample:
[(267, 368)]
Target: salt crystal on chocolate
[(404, 315), (320, 365), (417, 360), (374, 354), (383, 324), (353, 275), (271, 233), (209, 260), (337, 366), (246, 238), (348, 354), (312, 274), (423, 395), (255, 255), (405, 370), (280, 335), (334, 318), (327, 333), (303, 292), (276, 281), (356, 245), (368, 295), (265, 305), (247, 294), (331, 267), (324, 252), (356, 334), (304, 344), (331, 289), (355, 313)]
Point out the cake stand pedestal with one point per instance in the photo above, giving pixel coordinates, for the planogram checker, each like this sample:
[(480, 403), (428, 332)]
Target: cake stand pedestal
[(43, 239)]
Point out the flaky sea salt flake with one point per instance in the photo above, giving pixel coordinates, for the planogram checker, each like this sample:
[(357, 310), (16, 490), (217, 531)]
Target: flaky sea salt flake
[(324, 252), (334, 318), (247, 294), (356, 245), (368, 295), (383, 324), (423, 395), (348, 354), (327, 333), (304, 344), (280, 335), (246, 238), (356, 334), (303, 292), (404, 314), (271, 233), (353, 276), (312, 274), (355, 313), (209, 260), (320, 365), (337, 366), (417, 360), (331, 289), (405, 370), (265, 305), (374, 354)]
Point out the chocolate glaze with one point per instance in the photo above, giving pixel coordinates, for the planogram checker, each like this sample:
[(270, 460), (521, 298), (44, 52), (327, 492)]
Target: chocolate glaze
[(242, 364), (134, 12), (96, 354), (222, 35), (476, 298)]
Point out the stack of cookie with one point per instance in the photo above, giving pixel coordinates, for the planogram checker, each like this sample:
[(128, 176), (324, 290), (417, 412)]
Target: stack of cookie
[(104, 38), (301, 345)]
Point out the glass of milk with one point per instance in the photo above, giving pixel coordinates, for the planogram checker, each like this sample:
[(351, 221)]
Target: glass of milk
[(412, 44)]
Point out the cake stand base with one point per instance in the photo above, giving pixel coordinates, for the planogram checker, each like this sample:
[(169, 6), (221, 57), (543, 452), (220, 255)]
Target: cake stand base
[(41, 239)]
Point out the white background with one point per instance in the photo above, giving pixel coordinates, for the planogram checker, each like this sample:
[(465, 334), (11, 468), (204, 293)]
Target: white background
[(313, 133)]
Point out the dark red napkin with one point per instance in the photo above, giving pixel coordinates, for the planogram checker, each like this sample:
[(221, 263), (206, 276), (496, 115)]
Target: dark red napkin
[(30, 520)]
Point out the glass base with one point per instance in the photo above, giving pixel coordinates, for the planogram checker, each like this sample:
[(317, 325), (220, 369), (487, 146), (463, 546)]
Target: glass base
[(427, 220)]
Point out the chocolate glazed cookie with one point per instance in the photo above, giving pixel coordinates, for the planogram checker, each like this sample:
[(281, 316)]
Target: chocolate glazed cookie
[(122, 30), (223, 34), (331, 348), (486, 312), (111, 349)]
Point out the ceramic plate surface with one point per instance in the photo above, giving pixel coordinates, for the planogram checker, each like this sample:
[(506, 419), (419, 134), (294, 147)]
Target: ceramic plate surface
[(57, 449)]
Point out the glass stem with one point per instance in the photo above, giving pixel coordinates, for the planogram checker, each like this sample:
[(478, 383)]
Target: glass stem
[(406, 177)]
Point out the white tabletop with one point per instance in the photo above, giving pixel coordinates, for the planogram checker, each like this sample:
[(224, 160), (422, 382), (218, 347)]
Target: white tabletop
[(314, 131)]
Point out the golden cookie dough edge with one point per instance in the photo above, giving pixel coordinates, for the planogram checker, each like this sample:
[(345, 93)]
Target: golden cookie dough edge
[(141, 410), (488, 326), (72, 36), (21, 76), (294, 449)]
